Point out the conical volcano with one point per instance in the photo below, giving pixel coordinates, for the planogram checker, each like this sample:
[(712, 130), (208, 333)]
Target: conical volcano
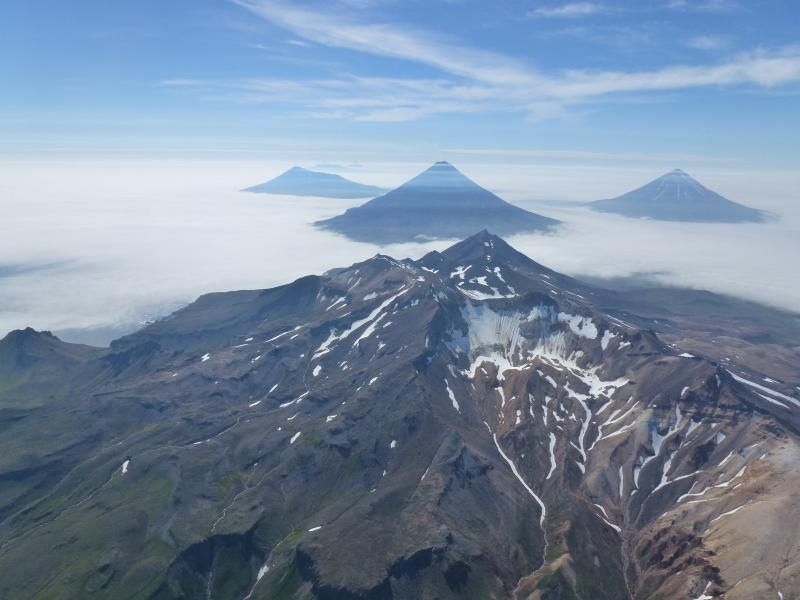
[(677, 196), (298, 181), (439, 203)]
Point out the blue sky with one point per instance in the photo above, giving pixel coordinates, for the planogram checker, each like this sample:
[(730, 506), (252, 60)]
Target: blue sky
[(687, 81)]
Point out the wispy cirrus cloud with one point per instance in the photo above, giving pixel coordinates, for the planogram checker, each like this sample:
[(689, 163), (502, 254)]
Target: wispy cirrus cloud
[(571, 10), (335, 30), (588, 156), (609, 34), (351, 97), (707, 42), (471, 80), (704, 6), (397, 99), (759, 68)]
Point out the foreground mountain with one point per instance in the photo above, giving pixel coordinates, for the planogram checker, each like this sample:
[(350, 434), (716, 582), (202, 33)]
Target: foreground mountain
[(439, 203), (298, 181), (469, 425), (678, 197)]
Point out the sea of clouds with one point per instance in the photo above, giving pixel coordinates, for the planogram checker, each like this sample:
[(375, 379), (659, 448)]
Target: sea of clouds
[(93, 247)]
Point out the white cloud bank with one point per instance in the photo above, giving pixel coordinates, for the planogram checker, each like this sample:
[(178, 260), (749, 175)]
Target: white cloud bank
[(118, 241)]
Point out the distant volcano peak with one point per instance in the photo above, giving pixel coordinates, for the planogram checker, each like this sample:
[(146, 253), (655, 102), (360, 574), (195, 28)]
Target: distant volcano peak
[(439, 203), (677, 175), (677, 196), (441, 175), (299, 181)]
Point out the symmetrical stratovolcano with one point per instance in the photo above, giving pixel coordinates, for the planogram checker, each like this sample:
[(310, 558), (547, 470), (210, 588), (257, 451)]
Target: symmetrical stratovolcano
[(439, 203), (298, 181), (677, 196)]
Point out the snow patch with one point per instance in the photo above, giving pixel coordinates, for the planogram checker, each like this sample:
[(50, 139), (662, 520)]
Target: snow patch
[(280, 335), (730, 512), (581, 326), (333, 337), (604, 518), (460, 272), (297, 400), (607, 337), (517, 475), (452, 396), (763, 388), (705, 596), (552, 455)]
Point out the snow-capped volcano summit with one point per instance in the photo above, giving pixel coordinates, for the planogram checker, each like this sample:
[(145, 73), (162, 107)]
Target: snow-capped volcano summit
[(677, 196), (439, 203)]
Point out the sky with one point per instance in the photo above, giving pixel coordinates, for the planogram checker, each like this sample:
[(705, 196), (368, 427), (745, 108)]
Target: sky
[(688, 81), (127, 130)]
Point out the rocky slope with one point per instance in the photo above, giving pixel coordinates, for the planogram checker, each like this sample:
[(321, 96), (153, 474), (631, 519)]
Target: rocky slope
[(469, 425)]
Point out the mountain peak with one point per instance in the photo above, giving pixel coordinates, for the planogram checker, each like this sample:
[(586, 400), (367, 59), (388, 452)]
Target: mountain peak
[(29, 333), (486, 247), (484, 237), (677, 196), (439, 203), (299, 181), (441, 175), (677, 175)]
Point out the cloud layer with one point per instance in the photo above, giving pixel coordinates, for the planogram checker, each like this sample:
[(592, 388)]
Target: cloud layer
[(110, 243)]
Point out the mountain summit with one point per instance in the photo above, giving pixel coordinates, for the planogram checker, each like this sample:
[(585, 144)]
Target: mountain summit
[(298, 181), (441, 175), (439, 203), (677, 196), (470, 425)]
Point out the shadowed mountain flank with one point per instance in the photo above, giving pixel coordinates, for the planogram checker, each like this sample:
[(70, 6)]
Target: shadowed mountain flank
[(298, 181), (439, 203), (677, 196)]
